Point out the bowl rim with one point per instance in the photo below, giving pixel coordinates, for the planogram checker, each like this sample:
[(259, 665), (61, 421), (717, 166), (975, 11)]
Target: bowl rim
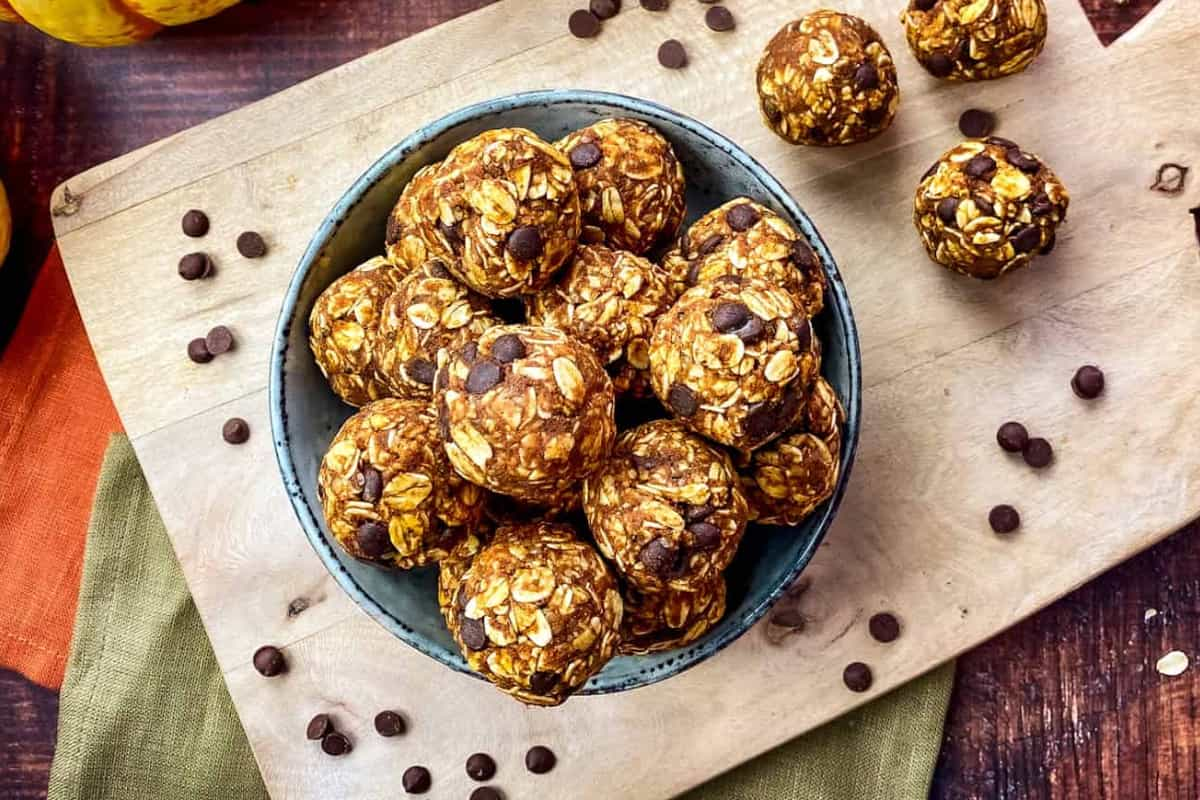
[(704, 648)]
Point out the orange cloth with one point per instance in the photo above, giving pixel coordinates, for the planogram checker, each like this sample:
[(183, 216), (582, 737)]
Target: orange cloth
[(55, 419)]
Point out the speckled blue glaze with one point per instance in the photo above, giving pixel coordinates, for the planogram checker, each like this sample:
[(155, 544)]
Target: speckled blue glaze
[(305, 414)]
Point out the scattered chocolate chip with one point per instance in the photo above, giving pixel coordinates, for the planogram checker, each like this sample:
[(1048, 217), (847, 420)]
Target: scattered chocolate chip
[(483, 376), (251, 245), (472, 633), (540, 760), (939, 65), (682, 400), (742, 216), (693, 513), (788, 618), (729, 315), (336, 744), (672, 55), (269, 661), (525, 243), (373, 540), (195, 223), (486, 793), (372, 484), (583, 24), (586, 155), (1027, 238), (605, 9), (1170, 178), (197, 351), (481, 766), (420, 370), (543, 682), (388, 723), (318, 727), (884, 627), (1038, 453), (706, 536), (857, 677), (1022, 161), (194, 266), (1088, 382), (655, 5), (658, 556), (947, 210), (219, 340), (976, 123), (981, 167), (1012, 437), (1004, 519), (452, 234), (508, 347), (923, 5), (416, 780), (866, 77), (719, 18), (235, 430)]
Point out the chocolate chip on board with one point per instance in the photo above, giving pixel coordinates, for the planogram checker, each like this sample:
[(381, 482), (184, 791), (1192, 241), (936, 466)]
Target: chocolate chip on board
[(388, 723), (486, 793), (605, 9), (195, 266), (1088, 382), (336, 744), (1004, 519), (976, 123), (672, 55), (251, 245), (235, 431), (857, 677), (884, 627), (318, 727), (269, 661), (219, 340), (197, 351), (481, 767), (416, 780), (1038, 453), (1012, 437), (540, 760), (195, 223), (583, 24), (719, 18)]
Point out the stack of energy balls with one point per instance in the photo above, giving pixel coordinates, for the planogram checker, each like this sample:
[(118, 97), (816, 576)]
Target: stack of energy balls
[(487, 440)]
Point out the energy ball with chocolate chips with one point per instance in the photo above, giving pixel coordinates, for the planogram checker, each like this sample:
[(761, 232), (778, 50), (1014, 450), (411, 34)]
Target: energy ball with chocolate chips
[(538, 612), (631, 186), (387, 489), (974, 40), (745, 238), (342, 329), (987, 207), (609, 300), (412, 234), (429, 312), (733, 359), (508, 212), (526, 411), (827, 79), (666, 508), (657, 621)]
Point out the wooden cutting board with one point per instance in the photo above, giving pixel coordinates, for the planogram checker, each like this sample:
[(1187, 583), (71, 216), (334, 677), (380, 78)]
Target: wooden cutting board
[(946, 361)]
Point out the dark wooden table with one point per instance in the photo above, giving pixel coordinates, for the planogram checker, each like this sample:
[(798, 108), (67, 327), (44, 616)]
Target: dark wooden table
[(1066, 705)]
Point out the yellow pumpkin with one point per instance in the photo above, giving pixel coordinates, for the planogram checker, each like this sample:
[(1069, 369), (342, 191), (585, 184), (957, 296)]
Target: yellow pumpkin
[(107, 23), (5, 225)]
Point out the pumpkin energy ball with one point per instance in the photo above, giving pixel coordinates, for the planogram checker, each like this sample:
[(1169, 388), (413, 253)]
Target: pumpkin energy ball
[(387, 489), (987, 207), (745, 238), (666, 620), (666, 508), (974, 40), (733, 359), (412, 224), (508, 212), (827, 79), (342, 329), (525, 411), (538, 612), (429, 311), (609, 300), (631, 186)]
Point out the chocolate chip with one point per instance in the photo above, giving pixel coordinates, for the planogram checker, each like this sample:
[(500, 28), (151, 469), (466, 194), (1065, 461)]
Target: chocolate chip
[(583, 24), (752, 331), (1012, 437), (1022, 161), (857, 677), (655, 5), (682, 400), (984, 205), (1170, 178), (1088, 382), (1038, 453), (705, 535), (508, 347), (964, 53), (692, 513), (672, 55), (981, 167), (1041, 205), (924, 5), (1004, 519), (804, 336), (742, 216), (438, 269), (1027, 238), (389, 723), (525, 243), (719, 18), (540, 760), (939, 65), (1000, 141), (874, 116), (318, 727), (486, 793), (1049, 245), (219, 340), (976, 123), (543, 682), (866, 77), (585, 155), (197, 351), (884, 627), (269, 661), (373, 540), (1195, 212), (483, 376), (803, 256), (659, 556), (453, 234), (709, 244), (251, 245), (646, 463), (336, 744), (195, 223), (194, 266), (420, 370), (416, 780), (470, 352), (947, 209), (761, 422), (605, 9), (372, 488), (472, 633), (481, 766), (235, 430), (729, 315)]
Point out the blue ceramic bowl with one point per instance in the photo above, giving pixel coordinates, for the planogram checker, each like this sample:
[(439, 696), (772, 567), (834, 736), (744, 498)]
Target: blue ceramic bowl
[(305, 414)]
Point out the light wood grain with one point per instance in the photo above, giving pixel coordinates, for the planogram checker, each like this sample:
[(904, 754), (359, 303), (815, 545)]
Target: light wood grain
[(946, 360)]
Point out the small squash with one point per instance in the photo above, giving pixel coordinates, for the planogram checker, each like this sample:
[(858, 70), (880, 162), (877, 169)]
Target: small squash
[(107, 23)]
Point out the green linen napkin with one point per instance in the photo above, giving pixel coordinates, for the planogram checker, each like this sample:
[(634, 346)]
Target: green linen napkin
[(145, 714)]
